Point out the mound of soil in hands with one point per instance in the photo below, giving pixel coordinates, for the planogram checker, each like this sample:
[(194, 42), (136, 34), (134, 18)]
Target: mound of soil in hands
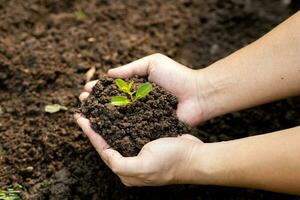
[(128, 128)]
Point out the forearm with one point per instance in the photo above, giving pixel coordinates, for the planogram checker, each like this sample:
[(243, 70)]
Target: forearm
[(263, 71), (268, 162)]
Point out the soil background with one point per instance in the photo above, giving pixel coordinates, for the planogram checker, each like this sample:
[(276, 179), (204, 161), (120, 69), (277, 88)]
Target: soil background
[(46, 47)]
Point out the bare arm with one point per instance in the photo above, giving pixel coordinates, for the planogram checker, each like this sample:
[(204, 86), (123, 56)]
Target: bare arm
[(264, 71), (270, 162)]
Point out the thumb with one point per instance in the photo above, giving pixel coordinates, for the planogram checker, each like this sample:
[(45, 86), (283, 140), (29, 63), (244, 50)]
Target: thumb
[(139, 67), (109, 155), (190, 137), (122, 166)]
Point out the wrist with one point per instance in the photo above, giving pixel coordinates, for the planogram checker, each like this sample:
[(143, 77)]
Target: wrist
[(208, 166), (213, 90)]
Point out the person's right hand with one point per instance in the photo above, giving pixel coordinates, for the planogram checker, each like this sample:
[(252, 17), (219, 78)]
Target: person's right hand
[(183, 82)]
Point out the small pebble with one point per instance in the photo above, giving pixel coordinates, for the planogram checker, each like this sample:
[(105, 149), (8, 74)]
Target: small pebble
[(29, 169), (91, 39)]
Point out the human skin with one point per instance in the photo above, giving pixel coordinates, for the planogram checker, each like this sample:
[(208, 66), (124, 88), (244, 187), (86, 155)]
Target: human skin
[(264, 71)]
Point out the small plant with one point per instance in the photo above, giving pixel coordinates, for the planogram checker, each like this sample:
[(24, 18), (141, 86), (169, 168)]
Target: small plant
[(12, 192), (125, 87)]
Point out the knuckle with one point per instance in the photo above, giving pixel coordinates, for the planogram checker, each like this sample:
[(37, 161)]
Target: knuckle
[(115, 169), (126, 182), (157, 55), (114, 166), (149, 181)]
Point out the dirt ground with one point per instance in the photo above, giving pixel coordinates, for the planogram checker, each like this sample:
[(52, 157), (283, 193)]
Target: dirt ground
[(46, 47)]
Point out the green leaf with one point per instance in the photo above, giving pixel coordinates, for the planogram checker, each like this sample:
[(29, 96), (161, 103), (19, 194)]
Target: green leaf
[(143, 90), (119, 101), (122, 85), (130, 85), (11, 193), (53, 108)]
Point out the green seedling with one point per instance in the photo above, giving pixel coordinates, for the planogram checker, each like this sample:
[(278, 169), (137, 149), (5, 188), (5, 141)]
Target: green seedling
[(79, 13), (134, 96), (53, 108), (11, 193)]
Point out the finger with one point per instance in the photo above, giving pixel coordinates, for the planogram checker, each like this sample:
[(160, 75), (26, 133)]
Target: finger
[(130, 181), (123, 166), (89, 86), (97, 141), (109, 155), (190, 137), (83, 96), (137, 182), (139, 67)]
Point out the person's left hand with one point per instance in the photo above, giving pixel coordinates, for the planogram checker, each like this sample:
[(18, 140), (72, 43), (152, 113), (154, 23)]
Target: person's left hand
[(160, 162)]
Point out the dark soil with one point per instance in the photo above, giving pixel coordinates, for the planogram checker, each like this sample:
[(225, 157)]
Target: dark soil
[(46, 47), (128, 128)]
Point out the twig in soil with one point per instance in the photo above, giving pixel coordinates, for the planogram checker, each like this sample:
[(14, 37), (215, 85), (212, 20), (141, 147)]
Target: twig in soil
[(90, 73)]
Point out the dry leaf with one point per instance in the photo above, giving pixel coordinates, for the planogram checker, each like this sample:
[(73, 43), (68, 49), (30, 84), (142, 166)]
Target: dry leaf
[(53, 108)]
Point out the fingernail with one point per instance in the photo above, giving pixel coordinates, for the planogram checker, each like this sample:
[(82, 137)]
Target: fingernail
[(110, 71), (77, 116)]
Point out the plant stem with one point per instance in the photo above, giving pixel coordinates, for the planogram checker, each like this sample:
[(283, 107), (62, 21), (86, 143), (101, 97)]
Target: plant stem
[(131, 96)]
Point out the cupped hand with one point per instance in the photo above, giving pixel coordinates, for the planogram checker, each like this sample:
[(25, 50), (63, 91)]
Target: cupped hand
[(183, 82), (160, 162)]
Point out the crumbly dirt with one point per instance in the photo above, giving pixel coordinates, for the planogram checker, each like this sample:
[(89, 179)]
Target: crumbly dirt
[(128, 128), (46, 47)]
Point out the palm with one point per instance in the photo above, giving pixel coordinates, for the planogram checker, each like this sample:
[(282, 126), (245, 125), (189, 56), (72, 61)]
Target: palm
[(171, 149), (180, 82)]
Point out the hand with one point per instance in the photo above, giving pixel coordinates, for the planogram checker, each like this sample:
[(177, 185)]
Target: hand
[(160, 162), (186, 84)]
